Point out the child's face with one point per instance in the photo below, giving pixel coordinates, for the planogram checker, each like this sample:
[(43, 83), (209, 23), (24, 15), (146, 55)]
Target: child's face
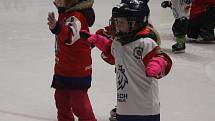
[(121, 24), (59, 3)]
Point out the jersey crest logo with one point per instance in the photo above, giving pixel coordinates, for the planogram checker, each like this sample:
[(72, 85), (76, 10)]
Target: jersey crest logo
[(122, 80), (138, 52)]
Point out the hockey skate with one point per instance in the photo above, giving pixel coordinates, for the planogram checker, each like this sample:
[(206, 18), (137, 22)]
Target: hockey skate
[(113, 115), (200, 40), (178, 48)]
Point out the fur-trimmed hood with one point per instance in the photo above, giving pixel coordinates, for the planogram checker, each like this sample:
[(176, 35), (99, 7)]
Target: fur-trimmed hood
[(84, 4)]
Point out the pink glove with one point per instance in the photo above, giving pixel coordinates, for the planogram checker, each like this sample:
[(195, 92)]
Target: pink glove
[(99, 41), (156, 67)]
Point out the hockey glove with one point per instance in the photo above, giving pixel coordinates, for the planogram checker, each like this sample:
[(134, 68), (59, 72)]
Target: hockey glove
[(99, 41), (166, 4), (156, 67)]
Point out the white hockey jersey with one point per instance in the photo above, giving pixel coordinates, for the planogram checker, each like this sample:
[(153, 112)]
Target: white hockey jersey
[(137, 94)]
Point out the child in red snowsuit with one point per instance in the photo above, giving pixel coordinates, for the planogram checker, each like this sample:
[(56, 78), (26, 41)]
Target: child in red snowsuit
[(73, 63)]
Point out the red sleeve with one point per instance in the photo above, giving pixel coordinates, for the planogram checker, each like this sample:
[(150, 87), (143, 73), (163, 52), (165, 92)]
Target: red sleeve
[(155, 53), (107, 56)]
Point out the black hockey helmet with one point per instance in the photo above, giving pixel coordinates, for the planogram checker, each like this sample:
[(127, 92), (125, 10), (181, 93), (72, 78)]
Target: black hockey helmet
[(135, 10)]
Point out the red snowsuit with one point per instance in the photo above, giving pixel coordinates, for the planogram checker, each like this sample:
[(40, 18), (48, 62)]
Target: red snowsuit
[(72, 71)]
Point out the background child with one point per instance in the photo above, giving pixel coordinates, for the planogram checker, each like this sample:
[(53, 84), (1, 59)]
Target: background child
[(72, 71), (138, 61), (180, 9), (202, 20)]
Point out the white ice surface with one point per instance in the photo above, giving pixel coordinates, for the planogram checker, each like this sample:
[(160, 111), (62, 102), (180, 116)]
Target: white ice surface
[(27, 58)]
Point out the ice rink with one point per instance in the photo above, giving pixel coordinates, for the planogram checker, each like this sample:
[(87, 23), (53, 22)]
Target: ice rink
[(27, 58)]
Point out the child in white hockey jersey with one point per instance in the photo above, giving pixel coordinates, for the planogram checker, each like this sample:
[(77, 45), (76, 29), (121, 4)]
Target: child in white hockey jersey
[(180, 9), (138, 61)]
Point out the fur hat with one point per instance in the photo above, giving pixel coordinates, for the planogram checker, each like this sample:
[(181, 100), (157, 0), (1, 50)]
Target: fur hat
[(70, 3), (78, 4), (83, 6)]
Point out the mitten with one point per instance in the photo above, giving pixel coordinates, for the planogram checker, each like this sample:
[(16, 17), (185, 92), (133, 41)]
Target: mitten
[(156, 67), (166, 4), (51, 20), (99, 41)]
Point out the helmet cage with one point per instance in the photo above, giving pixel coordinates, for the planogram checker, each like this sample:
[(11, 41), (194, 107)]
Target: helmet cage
[(136, 12)]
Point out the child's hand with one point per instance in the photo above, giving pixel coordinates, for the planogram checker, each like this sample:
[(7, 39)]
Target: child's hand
[(166, 4), (51, 20)]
